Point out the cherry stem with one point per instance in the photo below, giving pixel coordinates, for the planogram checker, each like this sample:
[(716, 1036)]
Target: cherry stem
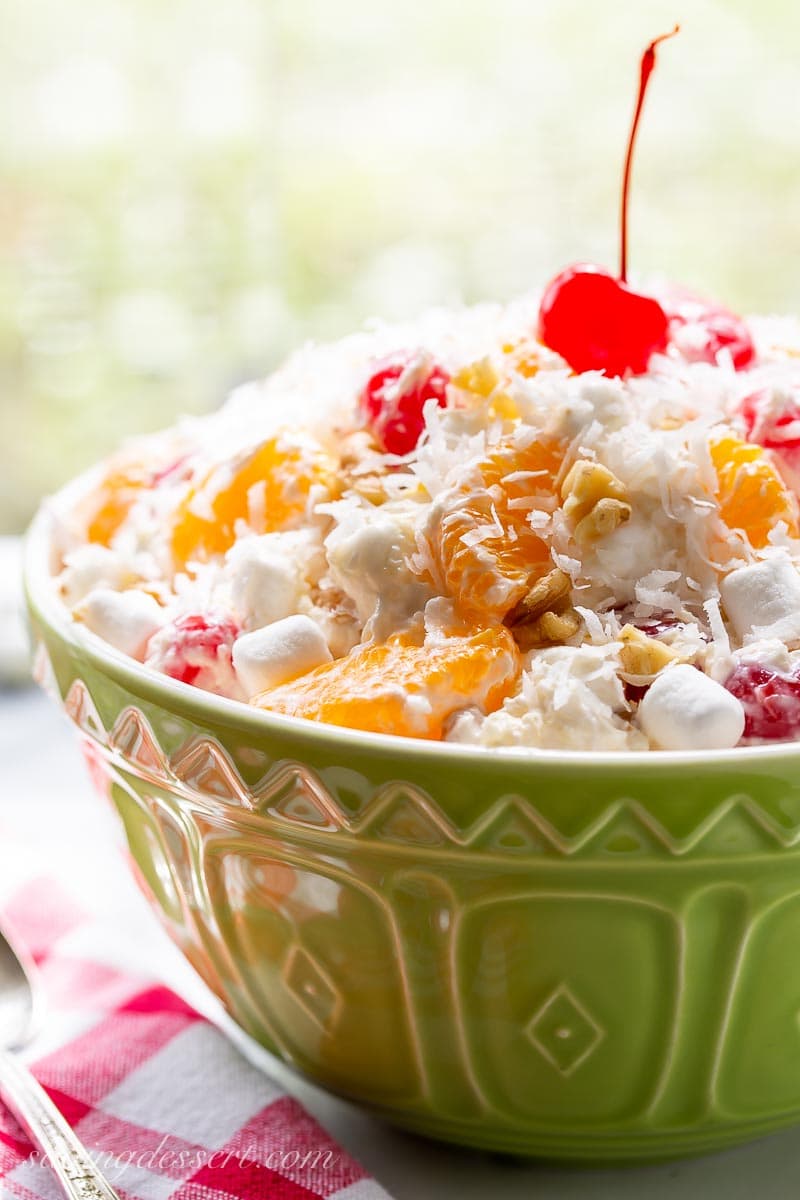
[(645, 71)]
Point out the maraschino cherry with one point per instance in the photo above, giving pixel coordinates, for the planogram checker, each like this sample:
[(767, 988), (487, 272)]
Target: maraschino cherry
[(770, 424), (594, 320), (198, 642), (704, 331), (771, 701), (771, 419), (393, 399)]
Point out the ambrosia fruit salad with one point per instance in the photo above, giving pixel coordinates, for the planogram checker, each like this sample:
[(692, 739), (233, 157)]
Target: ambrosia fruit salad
[(568, 522), (444, 531)]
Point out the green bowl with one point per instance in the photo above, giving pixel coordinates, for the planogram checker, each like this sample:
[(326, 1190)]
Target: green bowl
[(570, 955)]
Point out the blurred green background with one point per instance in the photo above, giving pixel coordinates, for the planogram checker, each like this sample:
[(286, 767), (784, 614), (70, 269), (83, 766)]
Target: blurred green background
[(188, 191)]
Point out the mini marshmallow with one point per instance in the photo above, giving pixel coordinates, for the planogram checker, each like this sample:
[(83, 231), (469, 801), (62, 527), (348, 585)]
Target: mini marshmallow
[(91, 567), (771, 653), (125, 619), (685, 710), (264, 587), (278, 652), (763, 600)]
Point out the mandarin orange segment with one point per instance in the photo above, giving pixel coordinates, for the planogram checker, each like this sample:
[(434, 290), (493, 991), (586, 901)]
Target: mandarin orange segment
[(269, 490), (485, 554), (751, 493), (402, 688), (109, 505)]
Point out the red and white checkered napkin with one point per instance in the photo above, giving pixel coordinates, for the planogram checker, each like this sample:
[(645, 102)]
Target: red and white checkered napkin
[(163, 1101)]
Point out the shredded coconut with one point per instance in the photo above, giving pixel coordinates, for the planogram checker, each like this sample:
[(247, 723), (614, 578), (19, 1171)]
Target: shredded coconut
[(375, 547)]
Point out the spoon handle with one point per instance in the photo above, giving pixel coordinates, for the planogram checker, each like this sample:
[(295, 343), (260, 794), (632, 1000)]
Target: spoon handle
[(69, 1158)]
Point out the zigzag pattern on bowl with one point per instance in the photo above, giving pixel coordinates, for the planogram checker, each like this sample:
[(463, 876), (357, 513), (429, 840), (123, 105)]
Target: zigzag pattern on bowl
[(604, 991), (401, 813)]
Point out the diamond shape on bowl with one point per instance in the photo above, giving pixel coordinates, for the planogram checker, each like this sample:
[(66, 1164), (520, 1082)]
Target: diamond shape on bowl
[(563, 1031), (312, 988)]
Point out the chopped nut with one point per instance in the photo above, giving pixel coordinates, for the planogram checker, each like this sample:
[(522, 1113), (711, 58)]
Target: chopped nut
[(603, 519), (549, 629), (594, 499), (585, 485), (337, 614), (360, 467), (641, 655), (557, 627), (544, 617), (548, 594), (327, 595)]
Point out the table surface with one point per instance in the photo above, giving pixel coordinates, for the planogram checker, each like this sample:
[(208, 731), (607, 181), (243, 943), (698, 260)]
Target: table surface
[(49, 815)]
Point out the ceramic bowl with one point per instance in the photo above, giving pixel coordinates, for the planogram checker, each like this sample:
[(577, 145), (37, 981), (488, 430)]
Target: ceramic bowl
[(577, 956)]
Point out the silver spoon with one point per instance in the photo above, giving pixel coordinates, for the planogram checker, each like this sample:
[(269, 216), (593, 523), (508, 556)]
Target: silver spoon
[(26, 1098)]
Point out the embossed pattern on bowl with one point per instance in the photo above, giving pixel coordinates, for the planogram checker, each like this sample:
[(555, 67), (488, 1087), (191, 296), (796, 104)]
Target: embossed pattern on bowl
[(574, 956)]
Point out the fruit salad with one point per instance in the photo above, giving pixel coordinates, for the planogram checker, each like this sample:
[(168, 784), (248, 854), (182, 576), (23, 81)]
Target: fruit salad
[(448, 530)]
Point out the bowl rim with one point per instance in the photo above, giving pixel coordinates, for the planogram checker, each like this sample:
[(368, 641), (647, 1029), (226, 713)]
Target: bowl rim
[(44, 602)]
